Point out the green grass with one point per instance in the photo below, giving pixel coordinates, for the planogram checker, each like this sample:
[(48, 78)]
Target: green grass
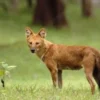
[(41, 92), (31, 79)]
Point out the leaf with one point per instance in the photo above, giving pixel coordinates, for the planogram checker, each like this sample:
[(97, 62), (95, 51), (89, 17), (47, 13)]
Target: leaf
[(10, 67), (2, 72), (7, 73), (1, 68), (4, 69), (4, 65)]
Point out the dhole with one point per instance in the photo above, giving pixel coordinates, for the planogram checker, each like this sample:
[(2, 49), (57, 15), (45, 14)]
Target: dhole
[(58, 57)]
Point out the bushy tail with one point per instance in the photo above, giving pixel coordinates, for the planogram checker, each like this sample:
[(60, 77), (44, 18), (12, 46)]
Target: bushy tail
[(96, 72)]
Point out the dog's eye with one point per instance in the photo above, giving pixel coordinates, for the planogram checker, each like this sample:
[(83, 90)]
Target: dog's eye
[(30, 42), (37, 43)]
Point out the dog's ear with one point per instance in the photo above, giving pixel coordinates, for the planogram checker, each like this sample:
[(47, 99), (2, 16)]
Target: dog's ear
[(28, 31), (42, 33)]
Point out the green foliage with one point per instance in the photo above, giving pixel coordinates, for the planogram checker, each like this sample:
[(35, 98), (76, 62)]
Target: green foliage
[(5, 69), (46, 92)]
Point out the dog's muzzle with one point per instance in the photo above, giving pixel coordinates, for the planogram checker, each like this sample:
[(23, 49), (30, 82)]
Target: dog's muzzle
[(33, 50)]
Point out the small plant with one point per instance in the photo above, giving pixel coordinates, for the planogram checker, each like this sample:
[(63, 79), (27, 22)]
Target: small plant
[(5, 71)]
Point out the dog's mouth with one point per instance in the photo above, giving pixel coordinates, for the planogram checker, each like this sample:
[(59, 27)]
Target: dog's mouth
[(33, 51)]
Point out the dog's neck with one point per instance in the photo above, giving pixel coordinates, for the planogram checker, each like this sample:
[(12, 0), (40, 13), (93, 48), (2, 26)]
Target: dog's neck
[(44, 49)]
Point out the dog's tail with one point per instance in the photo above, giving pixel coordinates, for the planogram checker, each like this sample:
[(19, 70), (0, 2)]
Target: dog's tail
[(96, 71)]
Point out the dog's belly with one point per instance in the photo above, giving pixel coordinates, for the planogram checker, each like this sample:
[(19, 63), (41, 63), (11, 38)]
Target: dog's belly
[(70, 67), (73, 63)]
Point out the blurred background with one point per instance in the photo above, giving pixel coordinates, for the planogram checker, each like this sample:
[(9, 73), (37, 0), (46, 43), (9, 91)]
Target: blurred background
[(70, 22)]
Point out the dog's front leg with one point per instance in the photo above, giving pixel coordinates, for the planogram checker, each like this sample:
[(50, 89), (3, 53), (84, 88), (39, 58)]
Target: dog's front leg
[(54, 77), (60, 78), (53, 70)]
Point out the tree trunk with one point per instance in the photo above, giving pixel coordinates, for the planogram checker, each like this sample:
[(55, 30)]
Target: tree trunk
[(42, 13), (50, 12), (14, 5), (29, 3), (87, 8)]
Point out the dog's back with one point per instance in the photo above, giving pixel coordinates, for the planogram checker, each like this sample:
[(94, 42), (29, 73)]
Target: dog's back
[(69, 57)]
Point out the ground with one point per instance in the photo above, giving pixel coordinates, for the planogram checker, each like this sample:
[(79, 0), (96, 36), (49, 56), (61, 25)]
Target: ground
[(31, 79)]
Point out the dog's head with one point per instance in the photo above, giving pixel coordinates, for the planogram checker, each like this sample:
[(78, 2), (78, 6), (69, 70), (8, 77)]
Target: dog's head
[(35, 40)]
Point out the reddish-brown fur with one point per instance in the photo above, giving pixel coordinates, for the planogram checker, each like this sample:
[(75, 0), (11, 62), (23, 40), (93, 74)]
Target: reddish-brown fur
[(58, 57)]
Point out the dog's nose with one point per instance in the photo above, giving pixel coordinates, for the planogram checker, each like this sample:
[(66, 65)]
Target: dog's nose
[(32, 50)]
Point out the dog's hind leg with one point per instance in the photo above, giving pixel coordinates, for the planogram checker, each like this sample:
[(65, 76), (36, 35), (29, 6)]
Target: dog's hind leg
[(88, 63), (90, 80), (60, 78)]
